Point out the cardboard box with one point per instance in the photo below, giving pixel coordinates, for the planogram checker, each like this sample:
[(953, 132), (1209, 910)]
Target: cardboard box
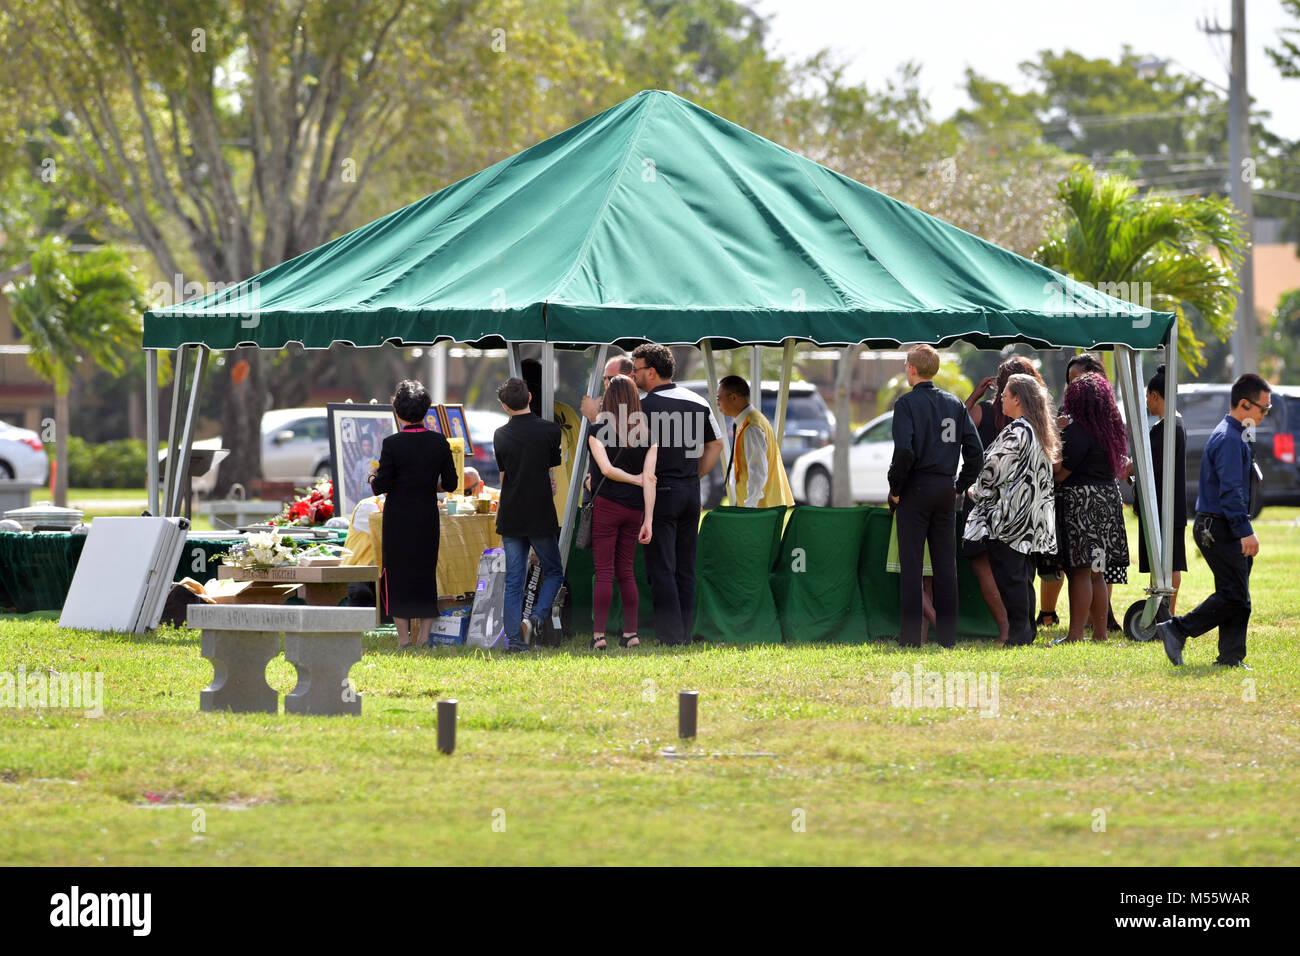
[(249, 592), (450, 627)]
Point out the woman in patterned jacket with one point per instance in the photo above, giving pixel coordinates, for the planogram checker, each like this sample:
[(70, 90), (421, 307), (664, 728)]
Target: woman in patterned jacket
[(1014, 508)]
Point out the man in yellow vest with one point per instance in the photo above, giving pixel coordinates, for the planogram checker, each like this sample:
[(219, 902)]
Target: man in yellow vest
[(755, 475)]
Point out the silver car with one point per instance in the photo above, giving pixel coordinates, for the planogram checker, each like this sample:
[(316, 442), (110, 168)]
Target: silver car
[(295, 446), (22, 455)]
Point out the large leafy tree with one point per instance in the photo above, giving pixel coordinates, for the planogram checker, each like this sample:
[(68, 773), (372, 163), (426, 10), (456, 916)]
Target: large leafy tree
[(224, 138), (74, 309), (1164, 252), (1141, 116), (1280, 342)]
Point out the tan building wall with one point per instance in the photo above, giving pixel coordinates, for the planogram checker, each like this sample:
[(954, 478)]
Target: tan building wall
[(1277, 272), (25, 398)]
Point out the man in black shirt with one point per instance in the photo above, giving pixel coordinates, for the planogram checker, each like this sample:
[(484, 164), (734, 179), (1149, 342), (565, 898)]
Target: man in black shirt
[(931, 431), (527, 448), (682, 424)]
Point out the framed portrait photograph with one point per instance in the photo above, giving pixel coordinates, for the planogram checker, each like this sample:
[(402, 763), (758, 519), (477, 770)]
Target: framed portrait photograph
[(356, 434), (432, 419), (455, 425)]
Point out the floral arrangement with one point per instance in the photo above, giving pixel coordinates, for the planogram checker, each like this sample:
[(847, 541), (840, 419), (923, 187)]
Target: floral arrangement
[(313, 507), (263, 550)]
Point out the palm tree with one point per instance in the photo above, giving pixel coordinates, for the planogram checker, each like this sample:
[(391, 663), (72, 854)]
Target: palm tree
[(76, 307), (1168, 252)]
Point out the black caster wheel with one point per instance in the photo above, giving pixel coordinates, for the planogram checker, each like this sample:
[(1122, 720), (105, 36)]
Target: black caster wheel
[(1133, 628)]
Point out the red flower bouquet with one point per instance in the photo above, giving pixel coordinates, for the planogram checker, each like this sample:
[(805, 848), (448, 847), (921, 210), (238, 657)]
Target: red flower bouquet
[(313, 507)]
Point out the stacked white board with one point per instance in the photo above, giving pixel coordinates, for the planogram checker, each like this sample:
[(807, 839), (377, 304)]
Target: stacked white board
[(124, 574)]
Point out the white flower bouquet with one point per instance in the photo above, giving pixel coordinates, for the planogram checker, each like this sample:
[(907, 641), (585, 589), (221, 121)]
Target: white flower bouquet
[(261, 551)]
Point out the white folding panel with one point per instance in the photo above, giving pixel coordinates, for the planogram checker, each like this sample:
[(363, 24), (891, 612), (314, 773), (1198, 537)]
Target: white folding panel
[(124, 574)]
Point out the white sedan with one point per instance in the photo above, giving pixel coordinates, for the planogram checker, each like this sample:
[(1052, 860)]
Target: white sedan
[(869, 457), (22, 455)]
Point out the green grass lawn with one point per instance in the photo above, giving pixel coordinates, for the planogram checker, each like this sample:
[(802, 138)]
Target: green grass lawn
[(560, 757)]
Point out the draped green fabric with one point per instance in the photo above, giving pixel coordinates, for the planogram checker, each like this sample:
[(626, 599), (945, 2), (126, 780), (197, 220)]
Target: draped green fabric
[(815, 583), (657, 221), (36, 569), (733, 570), (880, 587)]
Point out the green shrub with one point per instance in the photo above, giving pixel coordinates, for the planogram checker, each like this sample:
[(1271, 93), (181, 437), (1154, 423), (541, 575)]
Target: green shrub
[(110, 464)]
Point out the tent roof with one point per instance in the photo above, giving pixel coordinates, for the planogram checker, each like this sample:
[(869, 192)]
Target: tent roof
[(657, 221)]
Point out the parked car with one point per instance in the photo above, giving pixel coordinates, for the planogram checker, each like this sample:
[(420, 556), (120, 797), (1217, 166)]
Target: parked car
[(869, 457), (22, 456), (808, 424), (482, 431), (296, 446), (1203, 407)]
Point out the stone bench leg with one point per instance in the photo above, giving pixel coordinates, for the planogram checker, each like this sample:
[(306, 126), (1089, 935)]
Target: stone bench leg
[(239, 660), (323, 660)]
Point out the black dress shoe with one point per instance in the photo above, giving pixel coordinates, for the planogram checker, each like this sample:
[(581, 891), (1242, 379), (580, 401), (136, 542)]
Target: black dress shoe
[(1241, 664), (1173, 642)]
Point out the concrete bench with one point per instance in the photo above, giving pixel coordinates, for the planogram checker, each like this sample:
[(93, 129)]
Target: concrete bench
[(322, 643)]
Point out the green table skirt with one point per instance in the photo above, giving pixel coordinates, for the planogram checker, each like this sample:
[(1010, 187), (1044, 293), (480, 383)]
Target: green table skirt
[(36, 569)]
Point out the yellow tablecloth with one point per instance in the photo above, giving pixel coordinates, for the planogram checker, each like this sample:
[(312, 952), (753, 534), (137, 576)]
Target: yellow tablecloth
[(464, 538)]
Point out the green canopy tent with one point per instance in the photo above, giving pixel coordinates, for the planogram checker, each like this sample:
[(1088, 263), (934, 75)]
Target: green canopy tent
[(657, 220)]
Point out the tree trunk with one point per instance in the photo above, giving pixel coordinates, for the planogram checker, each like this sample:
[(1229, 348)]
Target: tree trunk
[(244, 400), (135, 415), (61, 424), (841, 479)]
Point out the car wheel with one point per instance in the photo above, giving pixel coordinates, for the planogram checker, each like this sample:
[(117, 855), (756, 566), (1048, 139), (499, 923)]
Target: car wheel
[(817, 487), (323, 471), (6, 472)]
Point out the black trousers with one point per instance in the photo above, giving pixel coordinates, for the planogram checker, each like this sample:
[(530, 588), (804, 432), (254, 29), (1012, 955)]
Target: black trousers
[(927, 513), (1014, 575), (1228, 608), (670, 559)]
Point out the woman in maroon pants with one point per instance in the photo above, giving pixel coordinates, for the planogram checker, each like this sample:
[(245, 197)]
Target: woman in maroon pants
[(622, 475)]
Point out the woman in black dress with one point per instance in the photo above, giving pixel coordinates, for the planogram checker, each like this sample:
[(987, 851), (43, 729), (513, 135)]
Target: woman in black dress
[(410, 465), (1156, 407), (1095, 549)]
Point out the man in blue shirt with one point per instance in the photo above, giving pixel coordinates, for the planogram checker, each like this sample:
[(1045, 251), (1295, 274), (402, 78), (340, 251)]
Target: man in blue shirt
[(1222, 529), (933, 434)]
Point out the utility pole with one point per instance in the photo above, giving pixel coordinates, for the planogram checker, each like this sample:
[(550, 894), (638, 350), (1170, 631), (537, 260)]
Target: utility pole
[(1241, 169)]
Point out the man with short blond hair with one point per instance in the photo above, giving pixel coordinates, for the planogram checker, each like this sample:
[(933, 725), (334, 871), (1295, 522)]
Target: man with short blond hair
[(932, 430)]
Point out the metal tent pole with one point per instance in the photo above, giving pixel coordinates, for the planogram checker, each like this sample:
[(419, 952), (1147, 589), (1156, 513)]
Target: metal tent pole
[(1128, 371), (783, 398), (1167, 479), (580, 461), (181, 471), (711, 373), (174, 426), (438, 373), (548, 381), (512, 356), (151, 429), (756, 374)]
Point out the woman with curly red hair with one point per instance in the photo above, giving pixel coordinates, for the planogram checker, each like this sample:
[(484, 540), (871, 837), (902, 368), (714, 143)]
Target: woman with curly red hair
[(1095, 550)]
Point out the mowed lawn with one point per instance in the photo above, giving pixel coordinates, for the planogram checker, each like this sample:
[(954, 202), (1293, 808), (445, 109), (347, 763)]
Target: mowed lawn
[(1097, 754)]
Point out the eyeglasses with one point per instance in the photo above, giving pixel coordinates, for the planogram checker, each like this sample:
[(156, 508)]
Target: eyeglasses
[(1263, 408), (639, 368)]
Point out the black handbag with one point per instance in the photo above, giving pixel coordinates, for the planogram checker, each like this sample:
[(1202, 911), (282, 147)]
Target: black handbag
[(582, 537)]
